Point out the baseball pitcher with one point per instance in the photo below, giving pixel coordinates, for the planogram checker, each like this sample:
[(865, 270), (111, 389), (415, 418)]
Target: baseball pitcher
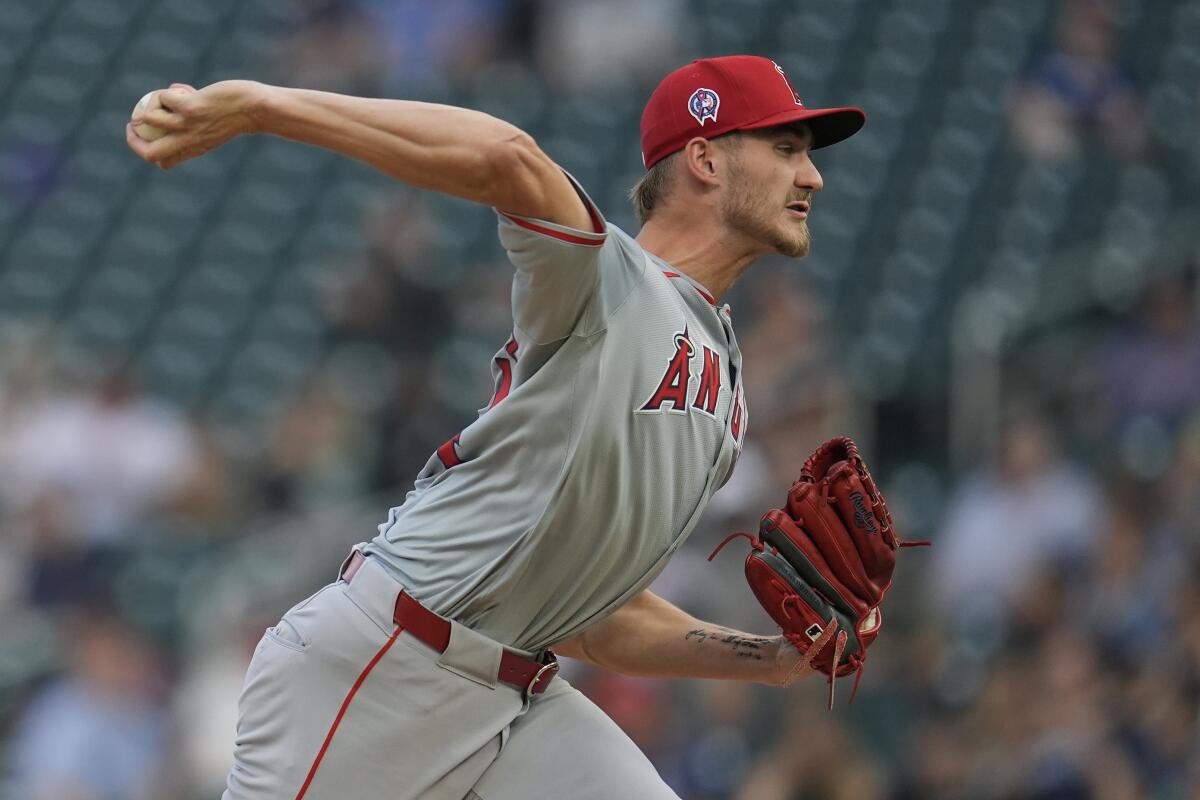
[(428, 669)]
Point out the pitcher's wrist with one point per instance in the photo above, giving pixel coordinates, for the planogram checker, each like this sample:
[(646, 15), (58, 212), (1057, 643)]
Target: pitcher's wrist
[(253, 103)]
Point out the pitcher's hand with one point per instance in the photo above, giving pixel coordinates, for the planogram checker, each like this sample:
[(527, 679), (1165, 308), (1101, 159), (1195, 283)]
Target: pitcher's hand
[(195, 121)]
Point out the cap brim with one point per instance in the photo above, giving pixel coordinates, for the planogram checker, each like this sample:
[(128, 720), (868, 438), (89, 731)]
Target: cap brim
[(828, 125)]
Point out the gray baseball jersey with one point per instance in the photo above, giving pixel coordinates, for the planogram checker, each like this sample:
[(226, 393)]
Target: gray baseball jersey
[(618, 411)]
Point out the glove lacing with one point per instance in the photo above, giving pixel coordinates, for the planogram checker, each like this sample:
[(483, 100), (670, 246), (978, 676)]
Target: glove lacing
[(755, 542), (839, 644)]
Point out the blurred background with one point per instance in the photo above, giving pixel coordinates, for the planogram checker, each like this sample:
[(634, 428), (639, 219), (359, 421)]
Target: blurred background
[(213, 381)]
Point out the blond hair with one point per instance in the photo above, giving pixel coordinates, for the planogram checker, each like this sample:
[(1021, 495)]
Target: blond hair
[(655, 186), (652, 188)]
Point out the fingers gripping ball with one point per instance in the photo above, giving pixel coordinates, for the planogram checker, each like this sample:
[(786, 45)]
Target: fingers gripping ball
[(145, 130), (827, 556), (151, 103)]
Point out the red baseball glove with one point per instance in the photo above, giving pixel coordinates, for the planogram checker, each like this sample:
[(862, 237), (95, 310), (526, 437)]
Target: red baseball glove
[(827, 555)]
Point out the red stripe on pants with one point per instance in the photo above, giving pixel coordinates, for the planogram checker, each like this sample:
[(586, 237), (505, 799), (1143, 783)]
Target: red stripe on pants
[(342, 711)]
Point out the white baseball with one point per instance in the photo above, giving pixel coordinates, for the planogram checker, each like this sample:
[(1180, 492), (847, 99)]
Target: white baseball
[(145, 130)]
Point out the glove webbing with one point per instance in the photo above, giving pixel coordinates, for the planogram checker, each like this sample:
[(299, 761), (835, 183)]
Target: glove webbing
[(839, 643), (839, 646)]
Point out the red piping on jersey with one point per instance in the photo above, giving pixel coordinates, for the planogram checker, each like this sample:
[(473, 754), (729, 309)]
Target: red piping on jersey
[(565, 237), (597, 222), (505, 367), (312, 772), (448, 452), (712, 301)]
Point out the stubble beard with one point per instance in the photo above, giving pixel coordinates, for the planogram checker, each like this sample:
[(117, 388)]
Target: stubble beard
[(753, 215)]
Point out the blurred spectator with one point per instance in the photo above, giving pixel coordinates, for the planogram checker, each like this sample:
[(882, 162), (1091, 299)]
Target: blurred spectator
[(80, 472), (1068, 726), (205, 706), (415, 422), (26, 355), (316, 453), (1004, 524), (1177, 493), (754, 484), (424, 43), (1151, 367), (1155, 708), (31, 168), (99, 732), (795, 385), (938, 766), (110, 457), (208, 494), (717, 747), (336, 51), (815, 757), (397, 47), (1186, 612), (591, 44), (1078, 90), (396, 297), (1126, 599)]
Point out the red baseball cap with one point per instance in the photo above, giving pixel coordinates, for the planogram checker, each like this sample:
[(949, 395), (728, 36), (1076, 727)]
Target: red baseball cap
[(712, 96)]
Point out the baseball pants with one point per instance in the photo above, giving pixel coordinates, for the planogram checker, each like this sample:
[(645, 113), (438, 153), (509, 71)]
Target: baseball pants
[(337, 706)]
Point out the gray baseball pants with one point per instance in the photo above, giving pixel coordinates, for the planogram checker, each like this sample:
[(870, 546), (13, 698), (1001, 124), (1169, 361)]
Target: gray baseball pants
[(337, 706)]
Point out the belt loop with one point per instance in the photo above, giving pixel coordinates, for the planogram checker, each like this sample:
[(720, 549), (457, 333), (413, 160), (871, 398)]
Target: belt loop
[(350, 565), (529, 676)]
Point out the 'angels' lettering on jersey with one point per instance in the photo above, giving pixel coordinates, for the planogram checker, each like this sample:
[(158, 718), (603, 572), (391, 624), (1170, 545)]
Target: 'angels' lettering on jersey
[(503, 370), (737, 426), (617, 411), (672, 392)]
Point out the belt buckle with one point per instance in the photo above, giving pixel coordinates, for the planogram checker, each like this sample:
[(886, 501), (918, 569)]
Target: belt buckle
[(527, 695)]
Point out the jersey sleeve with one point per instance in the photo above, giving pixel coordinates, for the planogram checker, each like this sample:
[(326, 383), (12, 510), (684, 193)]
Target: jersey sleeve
[(557, 270)]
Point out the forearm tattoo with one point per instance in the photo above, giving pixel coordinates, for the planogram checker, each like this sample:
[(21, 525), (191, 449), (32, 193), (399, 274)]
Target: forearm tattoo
[(742, 646)]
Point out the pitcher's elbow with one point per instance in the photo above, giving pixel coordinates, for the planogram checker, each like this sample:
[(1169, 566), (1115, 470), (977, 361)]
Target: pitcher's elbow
[(518, 173)]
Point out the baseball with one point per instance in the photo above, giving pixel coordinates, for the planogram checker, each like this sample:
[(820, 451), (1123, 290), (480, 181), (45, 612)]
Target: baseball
[(142, 129)]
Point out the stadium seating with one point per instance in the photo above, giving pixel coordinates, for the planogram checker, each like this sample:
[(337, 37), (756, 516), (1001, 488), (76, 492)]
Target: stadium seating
[(186, 268)]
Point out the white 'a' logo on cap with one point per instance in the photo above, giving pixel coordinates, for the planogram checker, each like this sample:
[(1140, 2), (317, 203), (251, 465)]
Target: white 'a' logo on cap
[(787, 83)]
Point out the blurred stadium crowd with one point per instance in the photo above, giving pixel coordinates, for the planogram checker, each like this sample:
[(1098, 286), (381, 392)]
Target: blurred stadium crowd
[(214, 380)]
